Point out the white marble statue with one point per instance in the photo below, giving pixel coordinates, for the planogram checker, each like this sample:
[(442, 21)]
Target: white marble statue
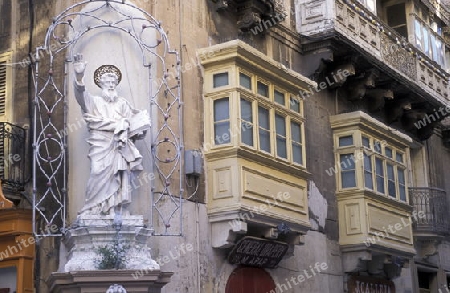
[(114, 125)]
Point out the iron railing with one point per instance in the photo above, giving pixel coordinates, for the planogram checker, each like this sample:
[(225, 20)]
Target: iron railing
[(12, 156), (432, 202)]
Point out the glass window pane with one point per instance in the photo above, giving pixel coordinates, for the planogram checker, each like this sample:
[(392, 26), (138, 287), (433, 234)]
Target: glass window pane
[(264, 129), (347, 162), (246, 123), (264, 140), (295, 105), (220, 79), (418, 33), (281, 147), (348, 176), (426, 44), (246, 110), (297, 153), (368, 181), (391, 181), (348, 179), (399, 157), (401, 183), (366, 142), (296, 132), (388, 152), (379, 174), (221, 132), (371, 5), (279, 97), (346, 140), (263, 117), (263, 89), (377, 147), (280, 125), (221, 109), (245, 81)]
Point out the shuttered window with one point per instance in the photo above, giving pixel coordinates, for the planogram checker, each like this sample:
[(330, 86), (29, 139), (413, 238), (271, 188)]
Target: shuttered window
[(2, 88)]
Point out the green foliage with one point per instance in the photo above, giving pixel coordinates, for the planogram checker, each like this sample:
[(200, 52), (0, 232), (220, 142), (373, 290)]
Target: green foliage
[(111, 257)]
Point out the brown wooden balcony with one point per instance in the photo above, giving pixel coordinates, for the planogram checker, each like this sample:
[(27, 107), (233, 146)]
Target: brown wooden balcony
[(431, 207)]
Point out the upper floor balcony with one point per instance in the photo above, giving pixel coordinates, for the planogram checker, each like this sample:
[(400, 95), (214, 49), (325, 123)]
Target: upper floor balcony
[(399, 38), (13, 169), (430, 205)]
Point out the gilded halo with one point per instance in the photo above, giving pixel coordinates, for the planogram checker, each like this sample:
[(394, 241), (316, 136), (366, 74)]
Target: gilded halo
[(106, 69)]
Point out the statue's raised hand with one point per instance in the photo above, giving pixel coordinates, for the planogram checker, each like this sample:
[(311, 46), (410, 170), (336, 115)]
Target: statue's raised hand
[(79, 66)]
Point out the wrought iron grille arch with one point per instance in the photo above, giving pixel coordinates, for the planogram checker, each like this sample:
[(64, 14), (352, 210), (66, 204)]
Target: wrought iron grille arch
[(50, 163)]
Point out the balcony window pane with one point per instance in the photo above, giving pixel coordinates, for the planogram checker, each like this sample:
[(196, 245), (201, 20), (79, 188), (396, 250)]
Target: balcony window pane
[(401, 183), (246, 122), (345, 140), (418, 34), (280, 126), (377, 147), (371, 5), (296, 137), (426, 44), (399, 157), (221, 121), (220, 79), (221, 109), (368, 181), (295, 105), (296, 132), (264, 129), (279, 97), (348, 175), (388, 152), (221, 132), (434, 47), (366, 142), (263, 89), (379, 174), (245, 81), (391, 181)]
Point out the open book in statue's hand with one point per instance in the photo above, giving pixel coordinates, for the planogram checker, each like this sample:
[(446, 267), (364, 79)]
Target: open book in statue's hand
[(139, 123)]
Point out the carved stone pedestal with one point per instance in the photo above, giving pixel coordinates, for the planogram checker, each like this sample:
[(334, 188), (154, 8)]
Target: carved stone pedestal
[(89, 233), (101, 281)]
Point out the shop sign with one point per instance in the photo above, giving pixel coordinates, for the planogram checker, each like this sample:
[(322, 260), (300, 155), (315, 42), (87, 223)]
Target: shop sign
[(258, 252), (357, 284)]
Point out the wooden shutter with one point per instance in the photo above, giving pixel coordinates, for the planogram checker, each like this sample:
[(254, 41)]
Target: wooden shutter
[(2, 87)]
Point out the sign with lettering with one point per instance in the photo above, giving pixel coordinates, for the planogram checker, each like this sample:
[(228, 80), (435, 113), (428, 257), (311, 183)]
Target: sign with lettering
[(257, 252), (358, 284)]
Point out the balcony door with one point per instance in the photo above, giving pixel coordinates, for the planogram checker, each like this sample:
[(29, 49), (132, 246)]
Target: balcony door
[(250, 280)]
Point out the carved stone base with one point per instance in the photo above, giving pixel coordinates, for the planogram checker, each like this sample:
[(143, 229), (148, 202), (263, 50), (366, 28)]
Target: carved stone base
[(101, 281), (82, 241)]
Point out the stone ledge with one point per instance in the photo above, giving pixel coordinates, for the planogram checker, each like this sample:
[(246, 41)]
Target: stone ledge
[(100, 281)]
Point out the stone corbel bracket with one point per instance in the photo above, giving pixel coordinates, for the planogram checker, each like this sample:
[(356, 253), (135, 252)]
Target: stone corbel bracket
[(263, 14)]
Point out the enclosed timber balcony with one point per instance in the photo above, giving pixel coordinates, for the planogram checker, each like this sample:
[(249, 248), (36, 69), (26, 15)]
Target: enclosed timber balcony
[(351, 23), (431, 206)]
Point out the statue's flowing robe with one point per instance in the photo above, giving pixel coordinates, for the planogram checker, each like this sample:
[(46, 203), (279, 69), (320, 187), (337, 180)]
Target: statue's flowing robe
[(112, 154)]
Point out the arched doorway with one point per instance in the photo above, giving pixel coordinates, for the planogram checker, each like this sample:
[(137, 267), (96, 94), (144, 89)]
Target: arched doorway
[(250, 280)]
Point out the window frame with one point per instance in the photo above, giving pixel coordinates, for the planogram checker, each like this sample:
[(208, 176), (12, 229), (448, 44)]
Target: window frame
[(374, 153)]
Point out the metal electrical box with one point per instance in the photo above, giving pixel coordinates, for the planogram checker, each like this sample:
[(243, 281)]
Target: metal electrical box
[(193, 162)]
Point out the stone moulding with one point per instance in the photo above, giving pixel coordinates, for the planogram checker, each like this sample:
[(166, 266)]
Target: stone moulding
[(100, 281)]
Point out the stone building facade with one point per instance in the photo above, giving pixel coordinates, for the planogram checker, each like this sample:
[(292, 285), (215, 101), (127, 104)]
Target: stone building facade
[(311, 146)]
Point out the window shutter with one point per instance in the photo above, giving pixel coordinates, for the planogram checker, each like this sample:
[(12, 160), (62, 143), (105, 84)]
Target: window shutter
[(2, 88)]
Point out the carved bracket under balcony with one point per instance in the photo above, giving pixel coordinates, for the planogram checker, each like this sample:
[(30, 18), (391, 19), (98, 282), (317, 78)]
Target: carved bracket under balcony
[(263, 14), (427, 248), (389, 266)]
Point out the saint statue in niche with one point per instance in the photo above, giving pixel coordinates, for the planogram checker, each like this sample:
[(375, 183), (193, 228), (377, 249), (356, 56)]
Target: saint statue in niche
[(114, 126)]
